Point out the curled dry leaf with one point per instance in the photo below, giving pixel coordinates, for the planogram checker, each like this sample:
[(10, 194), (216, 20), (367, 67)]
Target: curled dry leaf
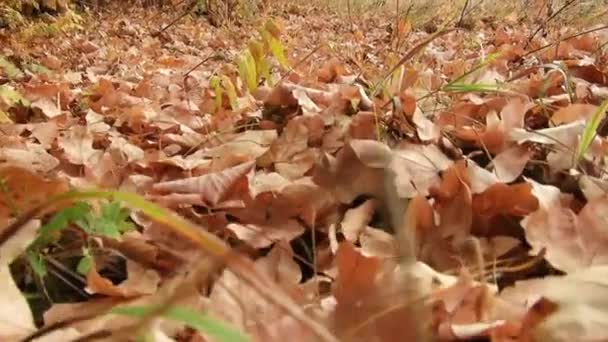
[(212, 188), (250, 143)]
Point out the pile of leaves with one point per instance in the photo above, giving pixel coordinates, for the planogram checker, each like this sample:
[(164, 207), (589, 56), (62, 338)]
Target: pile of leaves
[(308, 176)]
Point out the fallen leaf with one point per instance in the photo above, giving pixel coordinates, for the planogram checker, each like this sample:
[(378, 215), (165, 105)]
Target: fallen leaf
[(16, 319), (140, 281), (77, 145), (212, 188), (571, 241), (510, 163), (356, 219), (264, 235)]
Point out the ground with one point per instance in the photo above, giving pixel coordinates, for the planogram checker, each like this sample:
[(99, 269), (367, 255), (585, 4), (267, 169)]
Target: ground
[(327, 171)]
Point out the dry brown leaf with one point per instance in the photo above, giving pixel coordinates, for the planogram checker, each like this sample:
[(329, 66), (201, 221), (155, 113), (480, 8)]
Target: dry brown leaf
[(378, 243), (292, 141), (264, 235), (212, 188), (356, 220), (578, 308), (250, 143), (330, 70), (140, 281), (31, 156), (77, 145), (17, 196), (48, 107), (417, 168), (573, 112), (571, 241), (510, 163), (280, 266), (16, 320)]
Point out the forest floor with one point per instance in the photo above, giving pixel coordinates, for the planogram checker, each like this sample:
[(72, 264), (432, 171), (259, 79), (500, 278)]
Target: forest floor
[(305, 174)]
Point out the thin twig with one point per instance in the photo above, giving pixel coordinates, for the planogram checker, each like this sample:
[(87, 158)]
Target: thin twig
[(565, 38), (210, 56), (541, 26), (413, 51), (464, 8), (176, 20)]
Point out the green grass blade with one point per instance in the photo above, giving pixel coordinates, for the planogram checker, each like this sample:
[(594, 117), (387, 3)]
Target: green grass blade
[(590, 131), (204, 240), (204, 323), (474, 87), (489, 59)]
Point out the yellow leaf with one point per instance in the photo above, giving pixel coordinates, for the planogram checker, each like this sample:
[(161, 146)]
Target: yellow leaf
[(4, 118), (276, 48)]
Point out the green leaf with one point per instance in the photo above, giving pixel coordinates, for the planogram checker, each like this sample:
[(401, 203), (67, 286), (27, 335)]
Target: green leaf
[(110, 222), (256, 48), (12, 97), (590, 131), (9, 69), (247, 70), (49, 232), (36, 261), (216, 85), (276, 48), (230, 92), (473, 87), (489, 59), (4, 118), (39, 69), (204, 323), (84, 265)]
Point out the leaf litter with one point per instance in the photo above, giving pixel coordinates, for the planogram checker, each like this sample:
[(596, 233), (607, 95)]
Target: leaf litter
[(323, 150)]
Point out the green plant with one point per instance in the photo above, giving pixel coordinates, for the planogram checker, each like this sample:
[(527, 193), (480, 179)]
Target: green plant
[(590, 131), (110, 220), (9, 69), (252, 65)]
